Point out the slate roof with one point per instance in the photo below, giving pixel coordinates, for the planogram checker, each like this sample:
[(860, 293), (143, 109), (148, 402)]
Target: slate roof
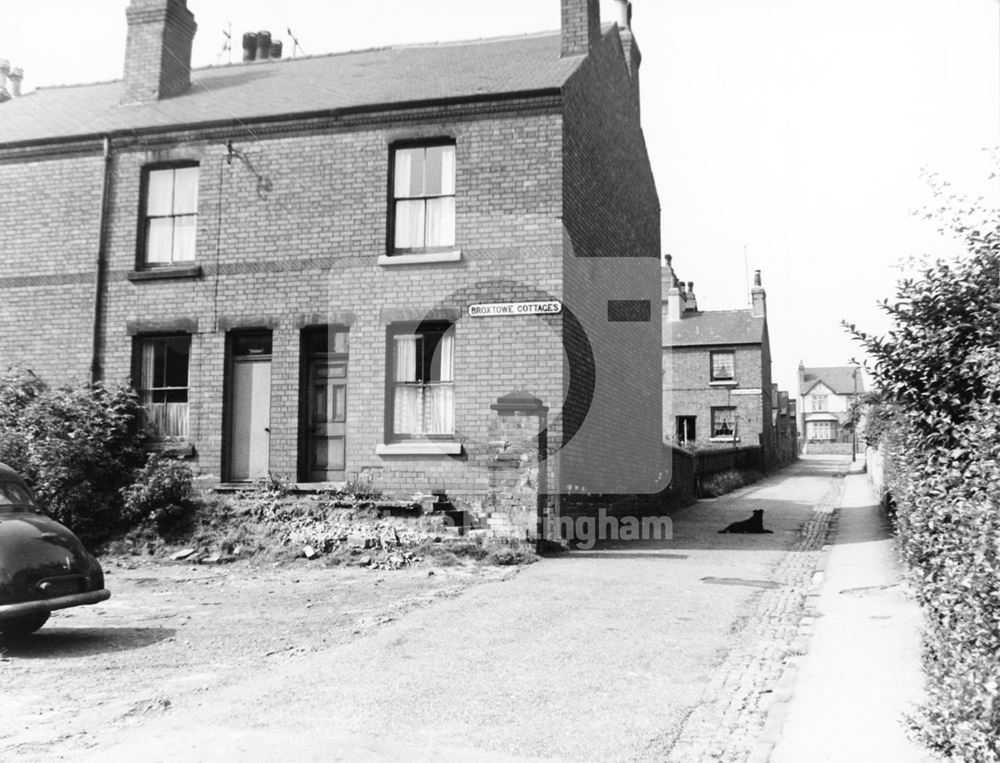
[(840, 379), (714, 327), (356, 80)]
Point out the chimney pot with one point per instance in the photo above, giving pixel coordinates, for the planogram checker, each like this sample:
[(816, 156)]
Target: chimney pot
[(276, 48), (263, 45), (249, 47), (758, 297)]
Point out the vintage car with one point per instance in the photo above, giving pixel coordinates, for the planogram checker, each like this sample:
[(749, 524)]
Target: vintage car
[(43, 566)]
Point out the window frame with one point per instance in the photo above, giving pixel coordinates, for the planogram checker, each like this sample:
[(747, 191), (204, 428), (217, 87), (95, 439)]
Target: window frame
[(685, 420), (399, 252), (138, 343), (711, 367), (416, 328), (819, 403), (142, 245), (712, 426)]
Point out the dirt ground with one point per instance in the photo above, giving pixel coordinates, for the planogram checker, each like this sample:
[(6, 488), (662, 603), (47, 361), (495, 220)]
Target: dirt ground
[(668, 649), (172, 630)]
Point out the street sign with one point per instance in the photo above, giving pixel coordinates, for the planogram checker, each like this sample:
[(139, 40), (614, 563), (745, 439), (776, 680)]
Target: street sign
[(498, 309)]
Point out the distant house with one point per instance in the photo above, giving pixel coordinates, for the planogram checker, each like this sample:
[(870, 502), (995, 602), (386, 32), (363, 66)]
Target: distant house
[(717, 389), (825, 398), (785, 427)]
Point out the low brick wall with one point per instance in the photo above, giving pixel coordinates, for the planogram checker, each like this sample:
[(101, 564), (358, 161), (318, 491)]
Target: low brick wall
[(828, 448)]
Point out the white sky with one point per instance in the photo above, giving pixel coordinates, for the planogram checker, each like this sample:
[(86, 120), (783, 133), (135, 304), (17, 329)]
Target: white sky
[(793, 130)]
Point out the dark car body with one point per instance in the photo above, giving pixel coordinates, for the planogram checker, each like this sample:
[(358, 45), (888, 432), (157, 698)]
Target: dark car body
[(43, 566)]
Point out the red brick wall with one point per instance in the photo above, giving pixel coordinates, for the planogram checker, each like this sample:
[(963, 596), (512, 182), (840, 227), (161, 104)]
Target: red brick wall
[(687, 392), (48, 247), (611, 216), (289, 236), (302, 253)]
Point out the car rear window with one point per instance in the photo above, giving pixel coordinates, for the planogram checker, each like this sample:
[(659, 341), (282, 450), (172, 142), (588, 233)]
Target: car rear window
[(12, 494)]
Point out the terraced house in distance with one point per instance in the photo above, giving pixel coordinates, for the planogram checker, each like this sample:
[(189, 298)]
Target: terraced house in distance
[(412, 264)]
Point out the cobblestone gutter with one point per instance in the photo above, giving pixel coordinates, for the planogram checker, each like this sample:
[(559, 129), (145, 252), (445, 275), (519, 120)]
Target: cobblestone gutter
[(743, 707)]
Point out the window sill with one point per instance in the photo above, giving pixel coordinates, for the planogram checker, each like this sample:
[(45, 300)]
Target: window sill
[(420, 259), (725, 438), (420, 448), (724, 383), (157, 274)]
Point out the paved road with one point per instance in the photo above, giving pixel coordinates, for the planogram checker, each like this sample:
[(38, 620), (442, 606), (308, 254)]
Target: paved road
[(639, 652)]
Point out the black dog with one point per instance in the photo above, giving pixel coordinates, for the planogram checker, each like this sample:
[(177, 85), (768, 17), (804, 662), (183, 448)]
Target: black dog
[(755, 524)]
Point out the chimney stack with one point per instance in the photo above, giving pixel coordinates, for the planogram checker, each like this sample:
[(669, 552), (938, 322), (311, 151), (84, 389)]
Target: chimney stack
[(581, 26), (16, 75), (157, 50), (690, 303), (758, 297), (672, 296), (633, 58), (4, 71)]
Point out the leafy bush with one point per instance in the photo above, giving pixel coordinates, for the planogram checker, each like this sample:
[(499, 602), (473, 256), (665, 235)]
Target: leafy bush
[(161, 493), (727, 481), (937, 420), (77, 445)]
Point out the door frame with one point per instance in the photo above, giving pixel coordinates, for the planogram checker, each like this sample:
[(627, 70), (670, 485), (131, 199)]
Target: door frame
[(228, 385), (307, 339)]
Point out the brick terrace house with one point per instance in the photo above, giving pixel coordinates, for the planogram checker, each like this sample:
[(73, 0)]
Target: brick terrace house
[(717, 389), (825, 398), (290, 258)]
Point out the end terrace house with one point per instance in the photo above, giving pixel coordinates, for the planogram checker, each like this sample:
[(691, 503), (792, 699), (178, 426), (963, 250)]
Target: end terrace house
[(717, 372), (284, 255)]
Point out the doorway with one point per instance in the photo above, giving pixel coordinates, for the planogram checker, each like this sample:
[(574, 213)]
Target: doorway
[(249, 406), (324, 444)]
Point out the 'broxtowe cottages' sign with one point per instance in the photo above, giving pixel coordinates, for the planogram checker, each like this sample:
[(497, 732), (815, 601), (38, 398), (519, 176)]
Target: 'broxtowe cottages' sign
[(498, 309)]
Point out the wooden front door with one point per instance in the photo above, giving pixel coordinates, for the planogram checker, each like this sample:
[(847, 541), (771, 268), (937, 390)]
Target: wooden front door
[(327, 418), (250, 408)]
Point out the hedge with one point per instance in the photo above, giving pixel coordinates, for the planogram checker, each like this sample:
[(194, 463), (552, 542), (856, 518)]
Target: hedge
[(937, 420)]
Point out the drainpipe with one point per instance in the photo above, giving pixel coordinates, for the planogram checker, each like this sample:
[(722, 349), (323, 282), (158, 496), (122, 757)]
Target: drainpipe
[(95, 362)]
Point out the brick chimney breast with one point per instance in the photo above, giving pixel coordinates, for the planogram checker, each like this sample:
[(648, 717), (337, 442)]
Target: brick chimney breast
[(581, 26), (157, 50)]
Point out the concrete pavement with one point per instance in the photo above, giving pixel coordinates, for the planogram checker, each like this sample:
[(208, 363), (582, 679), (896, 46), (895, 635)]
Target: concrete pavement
[(861, 673)]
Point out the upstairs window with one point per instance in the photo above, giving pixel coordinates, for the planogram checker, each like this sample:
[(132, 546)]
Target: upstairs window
[(423, 386), (423, 198), (170, 216), (819, 402), (163, 385), (723, 366)]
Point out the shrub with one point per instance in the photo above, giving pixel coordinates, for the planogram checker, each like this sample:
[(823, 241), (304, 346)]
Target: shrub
[(727, 481), (161, 493), (938, 423), (77, 445)]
